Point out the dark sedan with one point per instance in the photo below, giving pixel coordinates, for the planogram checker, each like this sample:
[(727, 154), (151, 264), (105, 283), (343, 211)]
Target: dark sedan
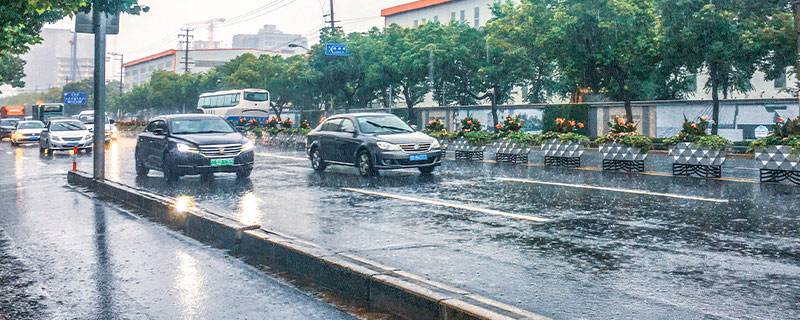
[(370, 142), (7, 127), (192, 144)]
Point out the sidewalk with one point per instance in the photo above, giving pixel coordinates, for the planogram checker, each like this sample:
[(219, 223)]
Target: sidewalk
[(79, 258)]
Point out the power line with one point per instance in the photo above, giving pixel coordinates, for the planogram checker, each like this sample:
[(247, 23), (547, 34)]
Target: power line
[(188, 38), (227, 24)]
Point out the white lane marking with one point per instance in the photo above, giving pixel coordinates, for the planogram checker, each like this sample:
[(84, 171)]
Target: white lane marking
[(261, 154), (449, 205), (632, 191)]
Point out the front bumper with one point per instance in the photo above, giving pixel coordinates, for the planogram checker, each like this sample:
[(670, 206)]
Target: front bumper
[(25, 139), (400, 159), (194, 163), (69, 145)]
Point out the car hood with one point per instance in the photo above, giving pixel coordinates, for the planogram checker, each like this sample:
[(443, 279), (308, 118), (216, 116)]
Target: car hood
[(29, 131), (211, 138), (7, 127), (70, 133), (405, 138)]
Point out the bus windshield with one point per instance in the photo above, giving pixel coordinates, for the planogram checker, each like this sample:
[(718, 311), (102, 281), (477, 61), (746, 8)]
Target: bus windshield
[(256, 96)]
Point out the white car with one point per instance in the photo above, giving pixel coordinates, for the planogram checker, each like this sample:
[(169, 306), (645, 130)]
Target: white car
[(26, 132), (65, 134), (87, 117)]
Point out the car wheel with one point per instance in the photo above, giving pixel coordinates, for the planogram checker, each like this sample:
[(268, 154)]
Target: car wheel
[(365, 166), (426, 170), (141, 169), (317, 163), (14, 144), (41, 148), (169, 171), (244, 173)]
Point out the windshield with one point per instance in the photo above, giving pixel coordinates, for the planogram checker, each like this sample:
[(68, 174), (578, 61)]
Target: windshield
[(30, 125), (256, 96), (382, 124), (197, 126), (8, 123), (67, 126)]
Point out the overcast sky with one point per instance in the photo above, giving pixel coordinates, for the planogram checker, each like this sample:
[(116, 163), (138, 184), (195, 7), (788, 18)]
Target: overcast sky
[(157, 30)]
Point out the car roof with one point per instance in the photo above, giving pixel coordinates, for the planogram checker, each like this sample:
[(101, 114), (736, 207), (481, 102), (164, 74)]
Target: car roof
[(189, 116), (360, 114), (24, 121), (64, 120)]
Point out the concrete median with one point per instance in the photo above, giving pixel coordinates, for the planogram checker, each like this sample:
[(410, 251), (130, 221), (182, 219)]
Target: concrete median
[(355, 279)]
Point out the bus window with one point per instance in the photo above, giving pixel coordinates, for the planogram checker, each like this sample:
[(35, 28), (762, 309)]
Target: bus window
[(226, 100), (256, 96), (235, 98), (216, 101), (200, 102)]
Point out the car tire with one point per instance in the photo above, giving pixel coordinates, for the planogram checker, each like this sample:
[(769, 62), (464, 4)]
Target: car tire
[(365, 166), (41, 148), (141, 169), (426, 170), (244, 173), (169, 171), (14, 144), (317, 163)]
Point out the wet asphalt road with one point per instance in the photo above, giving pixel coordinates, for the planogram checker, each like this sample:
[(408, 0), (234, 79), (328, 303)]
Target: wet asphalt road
[(67, 255), (730, 251)]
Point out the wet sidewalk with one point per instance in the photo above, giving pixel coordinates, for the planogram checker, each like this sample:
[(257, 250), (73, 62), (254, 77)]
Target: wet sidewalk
[(77, 258)]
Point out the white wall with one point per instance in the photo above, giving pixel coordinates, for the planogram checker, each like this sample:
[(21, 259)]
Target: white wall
[(444, 13)]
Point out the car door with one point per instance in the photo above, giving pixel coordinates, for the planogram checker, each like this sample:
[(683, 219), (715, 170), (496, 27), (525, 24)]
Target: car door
[(346, 141), (327, 139), (159, 142), (143, 144)]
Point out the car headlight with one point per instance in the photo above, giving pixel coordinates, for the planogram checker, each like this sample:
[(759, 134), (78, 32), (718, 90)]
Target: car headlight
[(87, 137), (388, 146), (436, 145), (183, 147), (56, 138), (248, 145), (17, 136)]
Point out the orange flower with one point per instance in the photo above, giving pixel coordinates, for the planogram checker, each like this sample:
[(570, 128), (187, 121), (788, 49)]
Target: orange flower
[(694, 125), (780, 119), (580, 125), (704, 118), (572, 123), (795, 118)]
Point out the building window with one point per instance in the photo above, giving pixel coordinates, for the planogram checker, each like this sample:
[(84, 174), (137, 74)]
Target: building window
[(452, 16), (416, 23), (463, 17), (424, 20), (435, 18), (780, 81), (477, 16)]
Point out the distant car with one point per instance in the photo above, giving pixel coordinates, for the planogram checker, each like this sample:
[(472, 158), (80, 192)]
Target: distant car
[(371, 141), (87, 117), (65, 134), (6, 127), (192, 144), (26, 132)]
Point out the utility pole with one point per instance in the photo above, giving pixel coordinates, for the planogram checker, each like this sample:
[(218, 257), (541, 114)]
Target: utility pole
[(332, 21), (187, 38), (99, 26), (74, 63)]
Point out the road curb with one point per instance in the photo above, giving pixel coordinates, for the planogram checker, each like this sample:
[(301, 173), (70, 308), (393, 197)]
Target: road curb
[(364, 282)]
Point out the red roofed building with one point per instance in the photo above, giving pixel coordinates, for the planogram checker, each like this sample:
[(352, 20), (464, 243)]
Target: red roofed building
[(200, 60), (412, 14)]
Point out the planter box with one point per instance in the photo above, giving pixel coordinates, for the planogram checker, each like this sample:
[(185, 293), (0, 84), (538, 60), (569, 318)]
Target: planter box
[(778, 164), (557, 153), (467, 151), (509, 151), (621, 157), (690, 159)]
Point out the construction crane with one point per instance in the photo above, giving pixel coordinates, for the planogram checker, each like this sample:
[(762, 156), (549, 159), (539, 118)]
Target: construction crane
[(210, 25)]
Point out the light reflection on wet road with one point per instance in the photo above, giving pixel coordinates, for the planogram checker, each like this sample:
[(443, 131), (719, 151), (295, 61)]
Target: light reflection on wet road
[(603, 254)]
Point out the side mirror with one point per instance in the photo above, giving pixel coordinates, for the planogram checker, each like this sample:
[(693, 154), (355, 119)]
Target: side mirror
[(111, 121), (159, 132), (414, 126)]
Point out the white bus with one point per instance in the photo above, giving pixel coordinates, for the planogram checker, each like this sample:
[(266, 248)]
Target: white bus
[(235, 104)]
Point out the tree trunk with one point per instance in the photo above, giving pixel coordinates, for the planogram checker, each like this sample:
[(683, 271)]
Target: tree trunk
[(628, 110), (796, 14), (494, 110), (715, 110), (409, 105)]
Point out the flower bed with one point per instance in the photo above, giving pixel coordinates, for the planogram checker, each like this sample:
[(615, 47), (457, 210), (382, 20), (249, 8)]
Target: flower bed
[(563, 147), (623, 148), (778, 152), (694, 152)]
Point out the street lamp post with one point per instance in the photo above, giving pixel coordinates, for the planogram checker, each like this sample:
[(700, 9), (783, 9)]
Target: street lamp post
[(119, 56), (294, 45)]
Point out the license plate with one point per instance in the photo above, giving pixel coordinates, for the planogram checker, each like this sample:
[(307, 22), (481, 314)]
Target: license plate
[(33, 138), (418, 157), (221, 162), (72, 144)]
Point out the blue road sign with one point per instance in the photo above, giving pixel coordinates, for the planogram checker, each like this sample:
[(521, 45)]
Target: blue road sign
[(336, 49), (74, 98)]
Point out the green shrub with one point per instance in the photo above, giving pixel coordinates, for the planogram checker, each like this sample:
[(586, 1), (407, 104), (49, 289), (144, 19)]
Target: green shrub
[(577, 112), (479, 138)]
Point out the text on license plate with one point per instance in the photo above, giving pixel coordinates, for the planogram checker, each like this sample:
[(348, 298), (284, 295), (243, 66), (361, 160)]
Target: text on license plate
[(418, 157), (221, 162), (72, 144)]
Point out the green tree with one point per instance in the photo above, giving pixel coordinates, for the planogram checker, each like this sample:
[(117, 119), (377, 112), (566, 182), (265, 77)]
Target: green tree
[(729, 40)]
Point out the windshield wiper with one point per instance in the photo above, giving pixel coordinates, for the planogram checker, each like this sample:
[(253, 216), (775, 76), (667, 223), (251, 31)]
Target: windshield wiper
[(387, 127)]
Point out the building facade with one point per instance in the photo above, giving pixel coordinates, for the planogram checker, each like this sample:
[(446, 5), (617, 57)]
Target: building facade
[(55, 61), (200, 60), (270, 38)]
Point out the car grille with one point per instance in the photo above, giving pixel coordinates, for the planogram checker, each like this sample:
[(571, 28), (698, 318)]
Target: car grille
[(413, 148), (30, 134), (218, 151), (72, 139)]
